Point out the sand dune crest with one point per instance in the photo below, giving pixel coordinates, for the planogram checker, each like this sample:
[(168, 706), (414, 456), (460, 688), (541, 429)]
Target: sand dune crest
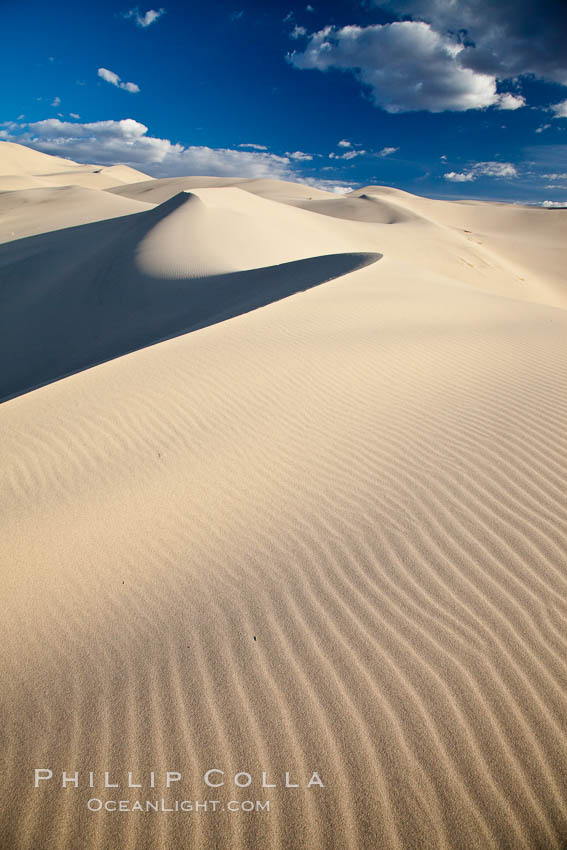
[(80, 296)]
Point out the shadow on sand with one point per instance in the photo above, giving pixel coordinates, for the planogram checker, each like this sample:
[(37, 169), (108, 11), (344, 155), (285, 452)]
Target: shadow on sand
[(74, 298)]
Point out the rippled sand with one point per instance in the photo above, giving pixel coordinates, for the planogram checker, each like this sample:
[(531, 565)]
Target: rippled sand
[(324, 531)]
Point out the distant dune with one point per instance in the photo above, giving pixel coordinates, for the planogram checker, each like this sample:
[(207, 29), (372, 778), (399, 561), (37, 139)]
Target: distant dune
[(297, 506), (24, 168)]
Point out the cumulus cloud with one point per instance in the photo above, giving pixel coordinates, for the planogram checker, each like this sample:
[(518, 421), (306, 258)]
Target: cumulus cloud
[(504, 39), (56, 101), (482, 169), (115, 80), (551, 204), (496, 169), (144, 19), (406, 65), (337, 187), (447, 54), (74, 115), (252, 145), (560, 109), (556, 175), (347, 154), (542, 128), (344, 143), (459, 176), (511, 101), (299, 155), (127, 141), (352, 154), (298, 31)]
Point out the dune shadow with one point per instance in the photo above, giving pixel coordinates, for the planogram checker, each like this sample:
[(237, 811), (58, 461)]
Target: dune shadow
[(74, 298)]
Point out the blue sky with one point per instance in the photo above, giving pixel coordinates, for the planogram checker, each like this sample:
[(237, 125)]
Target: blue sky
[(460, 98)]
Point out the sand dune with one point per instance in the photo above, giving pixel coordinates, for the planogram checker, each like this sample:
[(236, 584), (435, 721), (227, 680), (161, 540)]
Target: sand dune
[(324, 532), (82, 295), (24, 168), (509, 250), (157, 191), (30, 212)]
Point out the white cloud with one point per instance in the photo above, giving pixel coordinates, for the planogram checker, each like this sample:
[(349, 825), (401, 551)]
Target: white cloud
[(552, 204), (407, 66), (560, 109), (56, 101), (443, 157), (447, 54), (511, 101), (252, 145), (459, 176), (236, 16), (298, 31), (504, 39), (74, 115), (115, 80), (127, 141), (556, 175), (482, 169), (347, 154), (299, 155), (309, 8), (344, 143), (109, 76), (144, 19), (337, 187), (352, 154), (288, 17), (496, 169), (542, 128)]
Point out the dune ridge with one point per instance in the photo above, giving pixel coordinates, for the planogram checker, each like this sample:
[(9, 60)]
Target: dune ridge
[(79, 296), (328, 534), (24, 168)]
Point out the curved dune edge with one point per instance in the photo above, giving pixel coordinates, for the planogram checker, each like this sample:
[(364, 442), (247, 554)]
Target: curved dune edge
[(506, 249), (78, 297)]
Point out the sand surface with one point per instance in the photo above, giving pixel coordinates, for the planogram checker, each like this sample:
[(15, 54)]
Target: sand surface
[(299, 505)]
